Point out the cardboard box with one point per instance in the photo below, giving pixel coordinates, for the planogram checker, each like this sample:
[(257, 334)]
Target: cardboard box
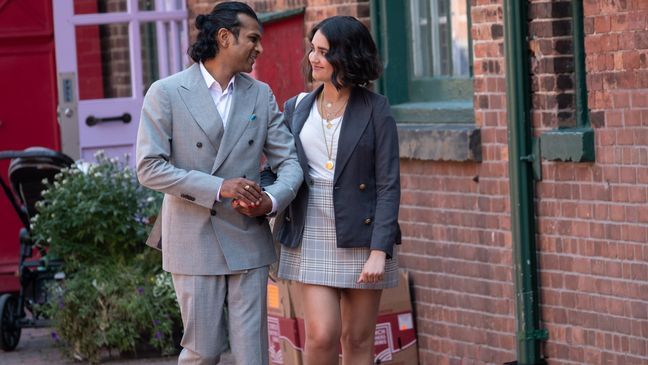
[(395, 336), (283, 333)]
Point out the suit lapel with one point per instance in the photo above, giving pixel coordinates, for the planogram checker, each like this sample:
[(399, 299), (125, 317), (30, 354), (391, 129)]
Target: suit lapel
[(356, 118), (195, 95), (241, 115)]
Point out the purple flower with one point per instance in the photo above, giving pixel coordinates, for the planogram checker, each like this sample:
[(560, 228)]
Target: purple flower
[(140, 290), (155, 322), (61, 304), (55, 336), (158, 335)]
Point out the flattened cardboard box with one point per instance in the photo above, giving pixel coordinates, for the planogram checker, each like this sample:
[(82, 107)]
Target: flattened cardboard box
[(283, 334)]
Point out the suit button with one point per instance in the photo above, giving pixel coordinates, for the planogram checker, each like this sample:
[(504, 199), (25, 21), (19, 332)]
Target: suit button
[(367, 221), (212, 212), (287, 219), (362, 187), (199, 144)]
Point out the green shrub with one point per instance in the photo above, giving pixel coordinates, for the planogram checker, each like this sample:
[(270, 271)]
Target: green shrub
[(115, 295)]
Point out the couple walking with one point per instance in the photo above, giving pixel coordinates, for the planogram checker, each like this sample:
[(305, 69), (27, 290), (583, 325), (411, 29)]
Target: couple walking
[(334, 151)]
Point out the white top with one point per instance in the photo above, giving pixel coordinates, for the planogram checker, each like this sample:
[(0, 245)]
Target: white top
[(222, 98), (312, 138)]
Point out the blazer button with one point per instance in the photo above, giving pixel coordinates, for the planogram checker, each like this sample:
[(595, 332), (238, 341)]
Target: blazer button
[(362, 187), (199, 144), (212, 212), (367, 221), (287, 219)]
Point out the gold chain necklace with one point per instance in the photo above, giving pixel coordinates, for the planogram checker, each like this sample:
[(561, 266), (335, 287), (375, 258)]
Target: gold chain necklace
[(329, 150), (328, 118)]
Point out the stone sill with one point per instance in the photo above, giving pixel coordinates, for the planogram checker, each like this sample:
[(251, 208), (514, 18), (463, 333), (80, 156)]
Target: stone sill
[(440, 142), (441, 131), (569, 144)]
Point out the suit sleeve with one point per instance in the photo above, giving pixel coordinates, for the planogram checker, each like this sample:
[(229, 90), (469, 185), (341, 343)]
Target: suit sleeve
[(387, 169), (282, 157), (154, 167)]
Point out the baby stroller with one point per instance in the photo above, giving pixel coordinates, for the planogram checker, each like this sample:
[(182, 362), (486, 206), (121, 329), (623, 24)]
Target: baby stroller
[(27, 170)]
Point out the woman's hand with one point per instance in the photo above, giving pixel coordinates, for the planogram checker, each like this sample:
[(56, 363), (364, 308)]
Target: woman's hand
[(374, 268)]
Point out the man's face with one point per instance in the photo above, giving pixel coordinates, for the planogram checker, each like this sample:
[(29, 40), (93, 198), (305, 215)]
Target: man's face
[(243, 51)]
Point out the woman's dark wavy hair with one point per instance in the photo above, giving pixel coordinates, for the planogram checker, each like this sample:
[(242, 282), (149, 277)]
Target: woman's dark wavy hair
[(352, 52), (224, 15)]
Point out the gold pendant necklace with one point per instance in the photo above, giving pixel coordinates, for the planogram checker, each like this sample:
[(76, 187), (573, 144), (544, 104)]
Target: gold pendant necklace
[(329, 165), (329, 115)]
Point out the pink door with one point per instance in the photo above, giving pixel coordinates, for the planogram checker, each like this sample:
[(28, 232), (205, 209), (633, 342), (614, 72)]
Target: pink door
[(108, 52)]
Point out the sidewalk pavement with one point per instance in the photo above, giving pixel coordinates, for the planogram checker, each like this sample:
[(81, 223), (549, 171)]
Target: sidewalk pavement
[(37, 347)]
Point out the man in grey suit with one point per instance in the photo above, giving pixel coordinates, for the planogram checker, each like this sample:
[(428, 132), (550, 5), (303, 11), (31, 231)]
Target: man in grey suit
[(202, 134)]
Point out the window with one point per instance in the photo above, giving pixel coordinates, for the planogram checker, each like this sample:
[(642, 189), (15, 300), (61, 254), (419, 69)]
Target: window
[(439, 35), (435, 49), (427, 53)]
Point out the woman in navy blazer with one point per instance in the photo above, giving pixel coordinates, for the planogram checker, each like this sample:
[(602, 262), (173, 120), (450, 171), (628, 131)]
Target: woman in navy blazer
[(338, 235)]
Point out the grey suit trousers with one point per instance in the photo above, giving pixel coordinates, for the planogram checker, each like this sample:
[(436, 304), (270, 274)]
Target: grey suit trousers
[(202, 298)]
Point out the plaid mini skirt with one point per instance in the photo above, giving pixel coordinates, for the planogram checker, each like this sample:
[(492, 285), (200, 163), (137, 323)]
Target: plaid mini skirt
[(318, 260)]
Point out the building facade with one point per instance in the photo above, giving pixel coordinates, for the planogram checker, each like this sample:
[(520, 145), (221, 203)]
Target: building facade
[(524, 154)]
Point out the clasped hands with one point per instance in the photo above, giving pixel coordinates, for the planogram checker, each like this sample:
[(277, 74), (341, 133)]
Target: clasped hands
[(247, 197)]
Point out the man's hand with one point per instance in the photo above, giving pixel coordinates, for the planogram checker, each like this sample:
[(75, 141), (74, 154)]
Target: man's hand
[(263, 208), (244, 190), (374, 268)]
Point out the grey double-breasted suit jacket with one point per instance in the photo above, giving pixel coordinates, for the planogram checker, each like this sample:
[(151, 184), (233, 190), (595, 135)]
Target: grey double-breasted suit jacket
[(184, 152)]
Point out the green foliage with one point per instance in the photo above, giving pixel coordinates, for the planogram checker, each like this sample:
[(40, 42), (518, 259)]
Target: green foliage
[(100, 214), (115, 295)]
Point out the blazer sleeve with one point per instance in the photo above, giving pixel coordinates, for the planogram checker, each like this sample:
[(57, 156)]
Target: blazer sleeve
[(281, 153), (153, 155), (387, 170)]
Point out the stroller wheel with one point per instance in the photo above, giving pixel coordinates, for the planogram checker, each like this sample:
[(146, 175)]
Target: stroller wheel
[(9, 328)]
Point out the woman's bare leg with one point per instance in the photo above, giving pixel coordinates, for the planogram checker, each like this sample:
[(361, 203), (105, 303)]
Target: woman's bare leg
[(322, 322), (359, 309)]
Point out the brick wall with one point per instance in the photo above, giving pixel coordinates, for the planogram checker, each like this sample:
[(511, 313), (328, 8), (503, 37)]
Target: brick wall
[(593, 217), (456, 226)]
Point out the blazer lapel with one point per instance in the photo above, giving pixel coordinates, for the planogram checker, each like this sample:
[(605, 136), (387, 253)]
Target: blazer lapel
[(195, 95), (300, 115), (241, 115), (355, 120)]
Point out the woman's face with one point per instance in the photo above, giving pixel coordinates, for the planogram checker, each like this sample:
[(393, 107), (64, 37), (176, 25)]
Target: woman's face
[(322, 69)]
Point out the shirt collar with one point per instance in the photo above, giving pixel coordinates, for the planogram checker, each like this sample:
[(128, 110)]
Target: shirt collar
[(211, 82)]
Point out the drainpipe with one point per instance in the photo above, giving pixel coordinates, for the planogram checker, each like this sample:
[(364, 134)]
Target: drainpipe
[(578, 40), (521, 159)]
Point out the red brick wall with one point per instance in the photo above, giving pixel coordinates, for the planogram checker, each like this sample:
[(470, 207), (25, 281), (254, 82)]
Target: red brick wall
[(456, 226), (593, 217)]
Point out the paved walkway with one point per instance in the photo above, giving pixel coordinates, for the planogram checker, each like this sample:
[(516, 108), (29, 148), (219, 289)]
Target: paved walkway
[(36, 347)]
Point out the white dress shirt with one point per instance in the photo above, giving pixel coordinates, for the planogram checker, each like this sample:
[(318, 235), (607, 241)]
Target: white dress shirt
[(223, 101), (222, 98)]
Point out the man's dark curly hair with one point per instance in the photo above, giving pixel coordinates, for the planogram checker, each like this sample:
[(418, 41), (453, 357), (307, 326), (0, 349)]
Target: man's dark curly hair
[(352, 52), (224, 15)]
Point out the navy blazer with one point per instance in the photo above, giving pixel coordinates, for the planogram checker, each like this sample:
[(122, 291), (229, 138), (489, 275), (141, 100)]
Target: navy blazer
[(366, 193)]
